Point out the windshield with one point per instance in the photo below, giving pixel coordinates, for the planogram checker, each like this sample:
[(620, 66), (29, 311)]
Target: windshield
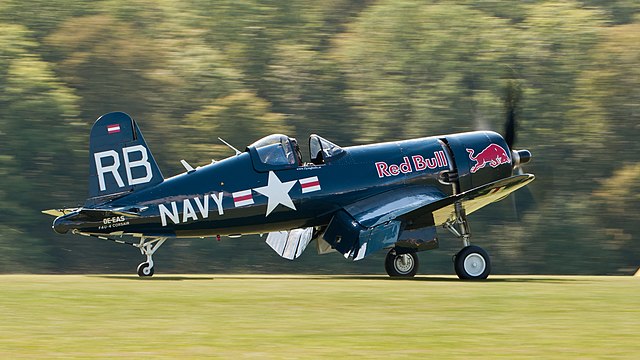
[(321, 149)]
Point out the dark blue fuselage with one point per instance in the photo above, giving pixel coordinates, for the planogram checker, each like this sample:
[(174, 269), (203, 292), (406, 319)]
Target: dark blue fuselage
[(221, 198)]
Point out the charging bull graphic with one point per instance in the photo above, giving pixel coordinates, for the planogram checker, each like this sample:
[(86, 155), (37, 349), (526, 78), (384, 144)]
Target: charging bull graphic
[(494, 155)]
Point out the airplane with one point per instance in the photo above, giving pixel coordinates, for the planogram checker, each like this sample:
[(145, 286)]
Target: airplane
[(352, 200)]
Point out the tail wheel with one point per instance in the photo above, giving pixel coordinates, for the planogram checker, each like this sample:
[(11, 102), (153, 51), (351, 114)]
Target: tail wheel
[(472, 263), (145, 270), (401, 265)]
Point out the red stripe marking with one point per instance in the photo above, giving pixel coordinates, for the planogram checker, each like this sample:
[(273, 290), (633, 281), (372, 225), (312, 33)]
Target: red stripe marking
[(242, 198), (113, 128), (310, 184)]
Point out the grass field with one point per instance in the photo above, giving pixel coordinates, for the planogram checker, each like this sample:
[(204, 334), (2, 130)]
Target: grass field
[(318, 317)]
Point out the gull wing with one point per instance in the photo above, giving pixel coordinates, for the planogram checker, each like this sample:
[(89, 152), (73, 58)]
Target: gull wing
[(378, 222)]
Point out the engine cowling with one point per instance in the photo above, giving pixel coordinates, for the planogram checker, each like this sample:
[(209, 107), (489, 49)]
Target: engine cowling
[(482, 157)]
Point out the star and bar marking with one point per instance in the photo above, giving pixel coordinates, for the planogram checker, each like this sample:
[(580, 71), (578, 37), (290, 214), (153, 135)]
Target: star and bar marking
[(276, 191)]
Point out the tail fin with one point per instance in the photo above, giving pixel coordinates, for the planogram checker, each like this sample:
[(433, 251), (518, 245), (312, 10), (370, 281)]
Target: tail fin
[(120, 161)]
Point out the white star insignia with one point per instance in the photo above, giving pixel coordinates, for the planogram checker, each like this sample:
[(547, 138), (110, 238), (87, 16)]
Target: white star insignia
[(277, 192)]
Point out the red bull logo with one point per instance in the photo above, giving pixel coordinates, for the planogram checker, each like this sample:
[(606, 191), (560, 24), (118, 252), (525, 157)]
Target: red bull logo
[(494, 155)]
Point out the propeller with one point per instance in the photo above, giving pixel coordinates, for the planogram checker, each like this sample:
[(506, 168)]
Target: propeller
[(511, 101), (512, 98)]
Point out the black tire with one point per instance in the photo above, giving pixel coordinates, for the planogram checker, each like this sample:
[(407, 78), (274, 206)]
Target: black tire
[(472, 263), (404, 265), (144, 270)]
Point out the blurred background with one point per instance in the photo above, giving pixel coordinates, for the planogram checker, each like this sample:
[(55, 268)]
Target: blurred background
[(352, 71)]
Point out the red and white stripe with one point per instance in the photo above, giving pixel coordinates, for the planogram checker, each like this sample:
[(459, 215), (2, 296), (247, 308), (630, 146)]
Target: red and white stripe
[(113, 128), (242, 198), (310, 184)]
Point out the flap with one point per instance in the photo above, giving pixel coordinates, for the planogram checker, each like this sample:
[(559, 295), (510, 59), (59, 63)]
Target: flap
[(290, 244)]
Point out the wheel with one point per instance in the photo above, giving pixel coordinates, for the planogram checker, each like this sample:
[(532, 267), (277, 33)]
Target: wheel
[(403, 265), (472, 263), (145, 270)]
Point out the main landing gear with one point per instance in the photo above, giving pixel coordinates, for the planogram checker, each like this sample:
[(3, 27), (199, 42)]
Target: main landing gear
[(472, 262), (148, 247), (401, 265)]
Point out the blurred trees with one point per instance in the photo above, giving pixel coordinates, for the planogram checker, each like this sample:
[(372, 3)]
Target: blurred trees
[(353, 71), (38, 150), (416, 69)]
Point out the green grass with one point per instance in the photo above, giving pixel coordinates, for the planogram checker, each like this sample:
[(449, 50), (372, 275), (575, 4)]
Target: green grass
[(318, 317)]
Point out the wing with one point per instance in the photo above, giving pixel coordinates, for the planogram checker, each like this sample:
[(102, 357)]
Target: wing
[(377, 222), (472, 200)]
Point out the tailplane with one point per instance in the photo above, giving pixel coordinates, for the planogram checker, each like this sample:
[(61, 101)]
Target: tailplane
[(120, 161)]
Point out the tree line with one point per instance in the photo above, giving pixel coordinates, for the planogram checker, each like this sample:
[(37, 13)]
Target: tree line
[(352, 71)]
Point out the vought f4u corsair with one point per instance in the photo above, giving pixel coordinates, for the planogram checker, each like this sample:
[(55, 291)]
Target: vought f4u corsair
[(354, 200)]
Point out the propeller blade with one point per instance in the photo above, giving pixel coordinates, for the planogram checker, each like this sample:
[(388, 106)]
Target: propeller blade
[(522, 200), (510, 128), (511, 100)]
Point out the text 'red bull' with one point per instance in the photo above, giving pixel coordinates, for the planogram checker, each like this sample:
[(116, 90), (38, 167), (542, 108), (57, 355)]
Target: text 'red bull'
[(417, 163)]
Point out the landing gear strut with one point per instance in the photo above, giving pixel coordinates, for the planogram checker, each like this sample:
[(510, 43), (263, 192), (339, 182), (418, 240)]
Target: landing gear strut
[(401, 265), (472, 262), (148, 247)]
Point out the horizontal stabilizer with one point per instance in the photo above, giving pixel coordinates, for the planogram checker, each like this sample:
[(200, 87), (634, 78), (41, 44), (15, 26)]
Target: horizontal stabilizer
[(127, 212), (290, 244), (98, 212), (67, 219), (59, 212)]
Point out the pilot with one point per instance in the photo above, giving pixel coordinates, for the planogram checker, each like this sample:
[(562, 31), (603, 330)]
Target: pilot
[(296, 149)]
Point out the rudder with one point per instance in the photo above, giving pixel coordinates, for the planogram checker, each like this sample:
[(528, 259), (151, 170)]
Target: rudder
[(120, 161)]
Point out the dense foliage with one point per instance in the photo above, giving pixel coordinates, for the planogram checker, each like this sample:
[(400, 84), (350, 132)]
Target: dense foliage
[(352, 71)]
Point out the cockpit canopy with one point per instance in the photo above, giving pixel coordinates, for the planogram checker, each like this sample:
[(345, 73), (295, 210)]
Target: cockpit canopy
[(278, 151)]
